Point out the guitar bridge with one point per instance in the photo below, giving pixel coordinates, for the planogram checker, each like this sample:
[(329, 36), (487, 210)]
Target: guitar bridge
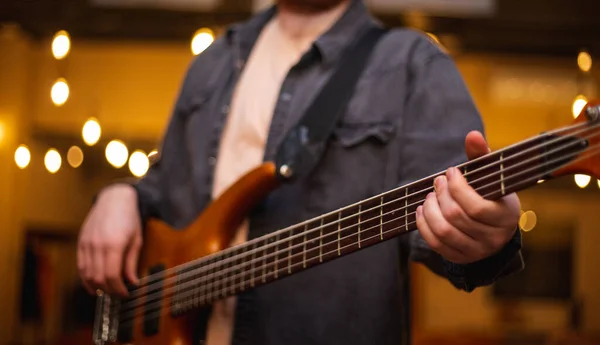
[(106, 320)]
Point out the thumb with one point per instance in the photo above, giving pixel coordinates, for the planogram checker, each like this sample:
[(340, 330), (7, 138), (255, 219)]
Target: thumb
[(131, 259), (475, 145)]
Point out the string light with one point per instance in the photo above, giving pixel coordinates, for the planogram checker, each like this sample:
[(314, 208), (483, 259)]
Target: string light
[(22, 156), (578, 104), (202, 39), (52, 161), (60, 92), (61, 45), (582, 181), (116, 153), (91, 132), (528, 221), (75, 156), (584, 61), (138, 163)]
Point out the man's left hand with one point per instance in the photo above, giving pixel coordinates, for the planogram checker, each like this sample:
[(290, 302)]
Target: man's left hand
[(461, 225)]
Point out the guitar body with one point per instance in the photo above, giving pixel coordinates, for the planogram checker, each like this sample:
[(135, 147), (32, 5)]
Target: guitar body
[(165, 248)]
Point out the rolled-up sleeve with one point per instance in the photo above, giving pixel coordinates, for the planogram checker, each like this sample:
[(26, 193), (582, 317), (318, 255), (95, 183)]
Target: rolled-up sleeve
[(438, 115)]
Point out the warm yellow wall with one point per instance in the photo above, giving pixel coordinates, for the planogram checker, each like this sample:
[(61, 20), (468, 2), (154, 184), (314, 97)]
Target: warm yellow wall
[(129, 87), (14, 82)]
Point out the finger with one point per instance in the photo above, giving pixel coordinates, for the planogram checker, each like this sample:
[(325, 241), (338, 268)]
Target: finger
[(89, 267), (81, 267), (475, 145), (97, 272), (445, 232), (474, 205), (456, 216), (434, 243), (113, 264), (131, 260)]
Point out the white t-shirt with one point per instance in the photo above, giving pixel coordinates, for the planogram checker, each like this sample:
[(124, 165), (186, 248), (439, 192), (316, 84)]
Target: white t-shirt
[(245, 133)]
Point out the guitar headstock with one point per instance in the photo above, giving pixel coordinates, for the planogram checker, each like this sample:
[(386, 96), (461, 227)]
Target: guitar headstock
[(586, 128)]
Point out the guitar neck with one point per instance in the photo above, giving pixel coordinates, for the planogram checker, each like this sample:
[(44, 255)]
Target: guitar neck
[(363, 224)]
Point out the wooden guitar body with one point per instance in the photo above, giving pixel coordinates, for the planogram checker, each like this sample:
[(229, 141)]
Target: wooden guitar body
[(166, 248)]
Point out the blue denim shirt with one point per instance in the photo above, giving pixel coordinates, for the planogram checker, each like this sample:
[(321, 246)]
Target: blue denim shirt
[(407, 119)]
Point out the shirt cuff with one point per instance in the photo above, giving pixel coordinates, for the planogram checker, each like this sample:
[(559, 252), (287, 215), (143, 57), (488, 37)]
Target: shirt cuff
[(486, 271)]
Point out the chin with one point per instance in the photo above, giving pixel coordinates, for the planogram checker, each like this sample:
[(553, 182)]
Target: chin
[(310, 5)]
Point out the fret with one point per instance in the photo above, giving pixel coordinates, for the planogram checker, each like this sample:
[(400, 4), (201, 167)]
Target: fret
[(234, 274), (359, 214), (406, 208), (264, 261), (222, 279), (502, 174), (321, 241), (289, 268), (201, 296), (252, 266), (215, 280), (194, 297), (276, 256), (381, 218), (209, 285), (304, 247), (339, 233)]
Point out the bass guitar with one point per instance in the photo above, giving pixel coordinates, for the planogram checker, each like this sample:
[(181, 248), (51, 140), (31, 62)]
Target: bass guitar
[(179, 279)]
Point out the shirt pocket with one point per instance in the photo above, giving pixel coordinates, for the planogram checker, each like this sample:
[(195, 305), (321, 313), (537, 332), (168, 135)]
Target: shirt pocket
[(353, 166)]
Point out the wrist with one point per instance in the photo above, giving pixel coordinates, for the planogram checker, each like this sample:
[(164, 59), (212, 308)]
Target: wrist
[(118, 190)]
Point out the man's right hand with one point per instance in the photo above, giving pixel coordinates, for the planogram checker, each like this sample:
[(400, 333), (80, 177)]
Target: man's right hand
[(110, 241)]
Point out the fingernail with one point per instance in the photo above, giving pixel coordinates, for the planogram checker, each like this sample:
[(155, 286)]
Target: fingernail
[(419, 211), (439, 183), (452, 172)]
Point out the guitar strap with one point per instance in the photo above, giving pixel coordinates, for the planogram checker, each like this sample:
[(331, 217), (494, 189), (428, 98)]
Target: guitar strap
[(305, 143)]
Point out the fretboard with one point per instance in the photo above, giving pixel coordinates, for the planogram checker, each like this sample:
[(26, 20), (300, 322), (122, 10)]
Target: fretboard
[(362, 224)]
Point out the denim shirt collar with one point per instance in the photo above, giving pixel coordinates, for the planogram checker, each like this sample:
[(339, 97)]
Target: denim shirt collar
[(330, 45)]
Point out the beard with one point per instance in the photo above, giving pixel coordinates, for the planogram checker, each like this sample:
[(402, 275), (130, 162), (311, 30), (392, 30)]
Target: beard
[(309, 6)]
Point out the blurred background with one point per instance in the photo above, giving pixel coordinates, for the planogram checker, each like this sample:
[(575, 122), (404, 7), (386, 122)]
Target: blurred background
[(87, 86)]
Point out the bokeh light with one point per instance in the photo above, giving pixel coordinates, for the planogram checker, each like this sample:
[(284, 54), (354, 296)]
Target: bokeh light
[(61, 45), (202, 39), (52, 161), (582, 181), (60, 92), (91, 132), (116, 153), (139, 163), (22, 156), (75, 156)]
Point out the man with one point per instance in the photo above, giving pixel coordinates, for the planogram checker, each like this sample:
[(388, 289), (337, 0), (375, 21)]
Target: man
[(411, 115)]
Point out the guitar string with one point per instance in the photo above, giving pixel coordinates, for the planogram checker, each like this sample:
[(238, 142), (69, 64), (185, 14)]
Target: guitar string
[(233, 258), (160, 313), (152, 277), (287, 250)]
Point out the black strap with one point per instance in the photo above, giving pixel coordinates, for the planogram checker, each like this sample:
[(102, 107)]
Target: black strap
[(303, 146)]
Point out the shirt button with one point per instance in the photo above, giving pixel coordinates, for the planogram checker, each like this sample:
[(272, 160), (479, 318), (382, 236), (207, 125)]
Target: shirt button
[(212, 161), (286, 97), (225, 109)]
